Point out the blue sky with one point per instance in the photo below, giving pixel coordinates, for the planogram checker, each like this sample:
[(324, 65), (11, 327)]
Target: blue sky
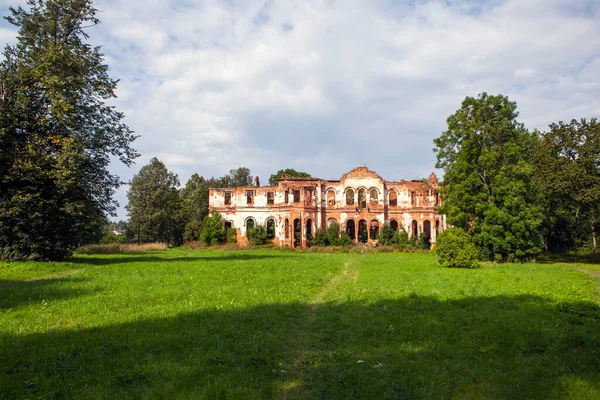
[(324, 86)]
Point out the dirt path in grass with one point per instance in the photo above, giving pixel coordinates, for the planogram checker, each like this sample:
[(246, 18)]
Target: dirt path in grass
[(294, 386), (590, 272)]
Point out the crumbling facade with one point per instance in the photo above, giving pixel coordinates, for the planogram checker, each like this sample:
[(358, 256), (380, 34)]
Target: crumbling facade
[(361, 202)]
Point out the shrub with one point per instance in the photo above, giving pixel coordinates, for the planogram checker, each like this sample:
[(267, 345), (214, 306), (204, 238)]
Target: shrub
[(112, 238), (386, 236), (320, 238), (214, 229), (231, 236), (401, 239), (193, 230), (455, 249), (257, 235)]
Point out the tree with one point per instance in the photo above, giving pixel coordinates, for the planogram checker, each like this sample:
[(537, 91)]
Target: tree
[(237, 177), (455, 249), (214, 229), (488, 191), (154, 203), (568, 175), (57, 135), (288, 171)]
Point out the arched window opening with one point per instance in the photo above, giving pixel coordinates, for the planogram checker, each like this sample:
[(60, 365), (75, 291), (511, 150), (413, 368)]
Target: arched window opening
[(413, 198), (331, 221), (228, 225), (331, 198), (287, 228), (393, 198), (427, 232), (373, 197), (414, 229), (270, 229), (309, 233), (351, 229), (250, 223), (373, 229), (437, 227), (349, 197), (362, 198), (297, 232), (363, 233), (394, 225), (270, 197)]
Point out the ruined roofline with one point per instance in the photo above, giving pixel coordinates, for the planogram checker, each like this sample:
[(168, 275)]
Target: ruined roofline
[(244, 187)]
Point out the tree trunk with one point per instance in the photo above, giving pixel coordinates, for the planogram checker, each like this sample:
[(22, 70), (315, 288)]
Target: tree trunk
[(592, 221)]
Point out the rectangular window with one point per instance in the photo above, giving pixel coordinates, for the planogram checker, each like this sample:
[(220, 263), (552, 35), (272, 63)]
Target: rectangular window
[(296, 196), (249, 196), (227, 197), (309, 196), (287, 197), (270, 198)]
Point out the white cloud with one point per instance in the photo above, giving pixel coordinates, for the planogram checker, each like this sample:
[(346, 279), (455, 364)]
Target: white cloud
[(324, 86)]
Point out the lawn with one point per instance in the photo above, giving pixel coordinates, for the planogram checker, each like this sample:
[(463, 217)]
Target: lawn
[(283, 324)]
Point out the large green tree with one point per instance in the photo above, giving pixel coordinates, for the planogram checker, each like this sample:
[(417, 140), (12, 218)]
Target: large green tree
[(57, 134), (194, 197), (568, 175), (154, 205), (288, 171), (486, 155)]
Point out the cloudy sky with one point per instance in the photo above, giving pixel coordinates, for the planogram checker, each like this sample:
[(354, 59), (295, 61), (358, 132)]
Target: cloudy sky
[(324, 86)]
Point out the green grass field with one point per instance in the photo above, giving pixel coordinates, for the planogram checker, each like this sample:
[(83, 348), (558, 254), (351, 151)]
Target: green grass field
[(282, 324)]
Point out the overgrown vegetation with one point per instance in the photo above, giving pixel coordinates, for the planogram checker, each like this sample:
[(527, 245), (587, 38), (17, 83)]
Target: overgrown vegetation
[(273, 324), (455, 249)]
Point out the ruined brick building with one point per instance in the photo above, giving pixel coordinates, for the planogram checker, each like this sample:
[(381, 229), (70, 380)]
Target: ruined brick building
[(361, 202)]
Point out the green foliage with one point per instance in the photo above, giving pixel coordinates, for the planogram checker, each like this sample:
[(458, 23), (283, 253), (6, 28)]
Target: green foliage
[(214, 229), (57, 134), (567, 175), (455, 249), (401, 239), (386, 236), (331, 236), (231, 236), (154, 204), (257, 235), (320, 238), (288, 171), (112, 238), (193, 230), (487, 157)]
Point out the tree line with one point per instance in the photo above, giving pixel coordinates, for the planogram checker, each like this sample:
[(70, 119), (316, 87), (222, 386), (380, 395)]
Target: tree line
[(518, 192), (511, 191)]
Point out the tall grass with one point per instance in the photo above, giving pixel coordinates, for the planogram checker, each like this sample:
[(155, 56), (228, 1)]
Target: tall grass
[(115, 248)]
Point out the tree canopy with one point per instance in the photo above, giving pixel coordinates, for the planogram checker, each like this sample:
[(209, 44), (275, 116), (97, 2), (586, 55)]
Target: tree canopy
[(486, 154), (154, 204), (288, 171), (56, 133), (568, 175)]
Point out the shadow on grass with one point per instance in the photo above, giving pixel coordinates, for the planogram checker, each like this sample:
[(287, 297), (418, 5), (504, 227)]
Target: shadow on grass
[(109, 259), (18, 293), (414, 347), (589, 258)]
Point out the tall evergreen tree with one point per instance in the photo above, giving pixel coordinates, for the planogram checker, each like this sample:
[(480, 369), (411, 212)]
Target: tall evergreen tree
[(487, 155), (154, 205), (57, 135)]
